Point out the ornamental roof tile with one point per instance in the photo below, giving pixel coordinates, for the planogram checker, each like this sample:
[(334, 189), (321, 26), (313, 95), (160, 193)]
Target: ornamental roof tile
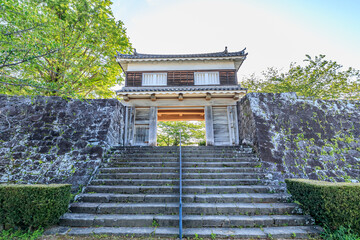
[(180, 88), (224, 53)]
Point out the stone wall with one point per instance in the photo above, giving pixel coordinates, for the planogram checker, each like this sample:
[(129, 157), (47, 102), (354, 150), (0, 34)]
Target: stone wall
[(52, 140), (302, 138)]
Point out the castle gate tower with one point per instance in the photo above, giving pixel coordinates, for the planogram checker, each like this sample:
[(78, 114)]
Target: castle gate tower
[(181, 87)]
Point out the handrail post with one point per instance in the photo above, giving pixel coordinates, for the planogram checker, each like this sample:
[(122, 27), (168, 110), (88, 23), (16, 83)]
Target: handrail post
[(180, 197)]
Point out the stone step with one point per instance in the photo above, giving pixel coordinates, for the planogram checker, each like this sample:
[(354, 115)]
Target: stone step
[(184, 148), (298, 232), (248, 209), (288, 232), (186, 189), (189, 159), (176, 170), (129, 220), (154, 176), (185, 164), (175, 182), (131, 189), (187, 198), (225, 194), (188, 208), (183, 155)]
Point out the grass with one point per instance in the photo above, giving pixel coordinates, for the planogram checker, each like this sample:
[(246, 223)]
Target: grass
[(342, 233), (20, 234), (135, 238)]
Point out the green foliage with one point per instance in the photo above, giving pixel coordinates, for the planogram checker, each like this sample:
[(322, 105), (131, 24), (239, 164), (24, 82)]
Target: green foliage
[(330, 204), (192, 133), (196, 237), (19, 234), (341, 234), (155, 223), (60, 48), (33, 206), (320, 78)]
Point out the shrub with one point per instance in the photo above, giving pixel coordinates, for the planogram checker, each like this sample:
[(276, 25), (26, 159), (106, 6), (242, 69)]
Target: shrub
[(340, 234), (330, 204), (33, 206)]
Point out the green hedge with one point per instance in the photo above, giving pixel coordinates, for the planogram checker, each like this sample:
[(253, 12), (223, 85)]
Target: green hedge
[(33, 206), (330, 204)]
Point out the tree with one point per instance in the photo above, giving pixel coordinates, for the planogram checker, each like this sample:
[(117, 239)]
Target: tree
[(60, 47), (320, 78), (192, 133)]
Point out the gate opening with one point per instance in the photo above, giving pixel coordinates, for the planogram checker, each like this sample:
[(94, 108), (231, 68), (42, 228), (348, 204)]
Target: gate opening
[(190, 121)]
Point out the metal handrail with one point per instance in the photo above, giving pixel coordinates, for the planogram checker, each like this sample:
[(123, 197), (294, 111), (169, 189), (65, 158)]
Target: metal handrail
[(180, 197)]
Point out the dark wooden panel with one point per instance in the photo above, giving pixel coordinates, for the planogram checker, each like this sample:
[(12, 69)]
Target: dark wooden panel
[(227, 77), (133, 79), (141, 134), (142, 114), (180, 78)]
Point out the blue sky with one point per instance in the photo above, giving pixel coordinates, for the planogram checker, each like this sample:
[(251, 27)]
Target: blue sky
[(275, 32)]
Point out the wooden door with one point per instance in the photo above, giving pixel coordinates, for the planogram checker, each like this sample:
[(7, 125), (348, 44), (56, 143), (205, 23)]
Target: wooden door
[(141, 133), (225, 126), (221, 127)]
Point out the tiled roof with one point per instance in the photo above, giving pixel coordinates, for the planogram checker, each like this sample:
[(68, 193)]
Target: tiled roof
[(201, 55), (177, 89)]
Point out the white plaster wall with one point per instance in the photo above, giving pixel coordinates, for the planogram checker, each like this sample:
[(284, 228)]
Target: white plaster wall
[(187, 102), (180, 65)]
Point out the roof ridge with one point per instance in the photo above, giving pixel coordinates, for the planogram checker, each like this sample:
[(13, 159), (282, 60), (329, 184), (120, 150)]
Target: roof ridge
[(224, 53)]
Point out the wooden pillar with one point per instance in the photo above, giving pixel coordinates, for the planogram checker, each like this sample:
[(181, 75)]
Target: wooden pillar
[(233, 125), (230, 125), (129, 126), (122, 128), (209, 126), (152, 126), (236, 125), (126, 130)]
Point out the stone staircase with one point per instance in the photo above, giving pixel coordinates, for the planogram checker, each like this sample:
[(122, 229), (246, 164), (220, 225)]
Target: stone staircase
[(225, 194)]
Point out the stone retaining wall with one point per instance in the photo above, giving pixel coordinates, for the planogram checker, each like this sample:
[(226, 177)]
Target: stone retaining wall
[(302, 138), (52, 140)]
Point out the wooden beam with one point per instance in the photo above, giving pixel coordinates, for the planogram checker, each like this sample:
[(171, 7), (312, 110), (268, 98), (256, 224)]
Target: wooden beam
[(126, 98), (153, 97), (181, 97), (209, 126), (236, 96), (182, 118), (187, 102), (180, 111), (208, 96)]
